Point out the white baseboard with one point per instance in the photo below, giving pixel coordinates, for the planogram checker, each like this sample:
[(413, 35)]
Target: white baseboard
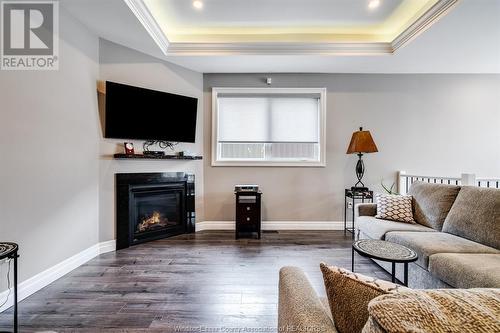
[(274, 225), (39, 281), (108, 246)]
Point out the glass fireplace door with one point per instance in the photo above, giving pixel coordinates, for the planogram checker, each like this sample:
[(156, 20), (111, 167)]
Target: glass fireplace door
[(157, 212)]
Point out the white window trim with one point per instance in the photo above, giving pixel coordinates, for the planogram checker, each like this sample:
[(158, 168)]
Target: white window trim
[(322, 139)]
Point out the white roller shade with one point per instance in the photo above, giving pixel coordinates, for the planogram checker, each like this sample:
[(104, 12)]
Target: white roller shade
[(268, 119), (243, 119), (294, 120)]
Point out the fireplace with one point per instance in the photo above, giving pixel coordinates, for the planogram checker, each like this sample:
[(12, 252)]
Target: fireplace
[(152, 206)]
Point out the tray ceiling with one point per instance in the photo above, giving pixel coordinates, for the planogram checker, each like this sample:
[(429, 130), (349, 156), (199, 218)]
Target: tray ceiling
[(463, 41), (234, 21), (208, 27)]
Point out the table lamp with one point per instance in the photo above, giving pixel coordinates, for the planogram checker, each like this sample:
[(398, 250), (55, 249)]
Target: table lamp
[(361, 142)]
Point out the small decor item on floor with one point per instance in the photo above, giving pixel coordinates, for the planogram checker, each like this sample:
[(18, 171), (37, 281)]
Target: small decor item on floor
[(394, 207), (9, 251), (129, 148), (361, 142), (248, 210)]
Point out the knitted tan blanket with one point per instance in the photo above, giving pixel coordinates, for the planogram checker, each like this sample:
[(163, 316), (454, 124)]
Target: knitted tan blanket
[(446, 311)]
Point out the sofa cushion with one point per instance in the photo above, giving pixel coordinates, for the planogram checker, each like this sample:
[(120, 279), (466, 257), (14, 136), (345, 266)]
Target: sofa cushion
[(432, 202), (377, 228), (464, 270), (475, 215), (445, 310), (429, 243), (349, 294)]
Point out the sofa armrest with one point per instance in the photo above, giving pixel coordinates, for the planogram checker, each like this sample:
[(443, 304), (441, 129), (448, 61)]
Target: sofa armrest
[(365, 209), (300, 309)]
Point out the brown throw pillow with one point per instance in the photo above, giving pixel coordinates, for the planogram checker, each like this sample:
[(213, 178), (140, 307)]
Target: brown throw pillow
[(349, 294), (440, 311), (394, 207)]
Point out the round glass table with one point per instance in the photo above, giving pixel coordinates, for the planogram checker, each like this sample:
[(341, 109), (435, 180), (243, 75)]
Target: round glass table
[(385, 251)]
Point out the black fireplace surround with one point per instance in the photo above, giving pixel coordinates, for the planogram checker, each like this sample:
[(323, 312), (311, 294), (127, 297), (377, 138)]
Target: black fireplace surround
[(152, 206)]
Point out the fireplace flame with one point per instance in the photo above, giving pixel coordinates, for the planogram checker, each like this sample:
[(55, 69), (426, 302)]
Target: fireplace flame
[(154, 220)]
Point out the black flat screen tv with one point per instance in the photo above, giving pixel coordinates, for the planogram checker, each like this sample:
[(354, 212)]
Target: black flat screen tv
[(144, 114)]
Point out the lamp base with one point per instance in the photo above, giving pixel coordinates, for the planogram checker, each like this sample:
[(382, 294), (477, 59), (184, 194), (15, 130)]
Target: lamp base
[(359, 189)]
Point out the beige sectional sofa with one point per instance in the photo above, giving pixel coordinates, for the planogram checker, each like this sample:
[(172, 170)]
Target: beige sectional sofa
[(301, 310), (457, 236)]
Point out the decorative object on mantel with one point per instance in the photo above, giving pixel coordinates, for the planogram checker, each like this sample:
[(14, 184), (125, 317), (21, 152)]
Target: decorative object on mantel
[(9, 251), (157, 157), (154, 153), (187, 153), (361, 142), (161, 143), (129, 148)]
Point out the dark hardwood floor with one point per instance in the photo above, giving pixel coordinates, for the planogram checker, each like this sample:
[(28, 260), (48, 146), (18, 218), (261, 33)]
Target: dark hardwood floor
[(184, 284)]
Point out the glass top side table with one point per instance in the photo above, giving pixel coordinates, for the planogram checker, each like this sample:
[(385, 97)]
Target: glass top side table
[(385, 251), (351, 196)]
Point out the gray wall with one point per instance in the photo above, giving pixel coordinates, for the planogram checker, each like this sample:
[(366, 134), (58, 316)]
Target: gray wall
[(439, 125), (124, 65), (49, 148)]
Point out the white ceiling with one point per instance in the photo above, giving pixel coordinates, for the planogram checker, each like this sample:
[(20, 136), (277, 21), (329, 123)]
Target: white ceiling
[(466, 40), (275, 12), (219, 20)]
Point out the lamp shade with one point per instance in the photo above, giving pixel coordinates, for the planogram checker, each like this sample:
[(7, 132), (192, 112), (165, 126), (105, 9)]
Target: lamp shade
[(362, 142)]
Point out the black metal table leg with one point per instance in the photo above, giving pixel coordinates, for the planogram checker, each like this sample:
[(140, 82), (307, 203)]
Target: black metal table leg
[(406, 275), (393, 272), (384, 251), (15, 294), (352, 218), (352, 260), (345, 214)]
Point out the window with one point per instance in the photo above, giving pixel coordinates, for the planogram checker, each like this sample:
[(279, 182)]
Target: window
[(268, 126)]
